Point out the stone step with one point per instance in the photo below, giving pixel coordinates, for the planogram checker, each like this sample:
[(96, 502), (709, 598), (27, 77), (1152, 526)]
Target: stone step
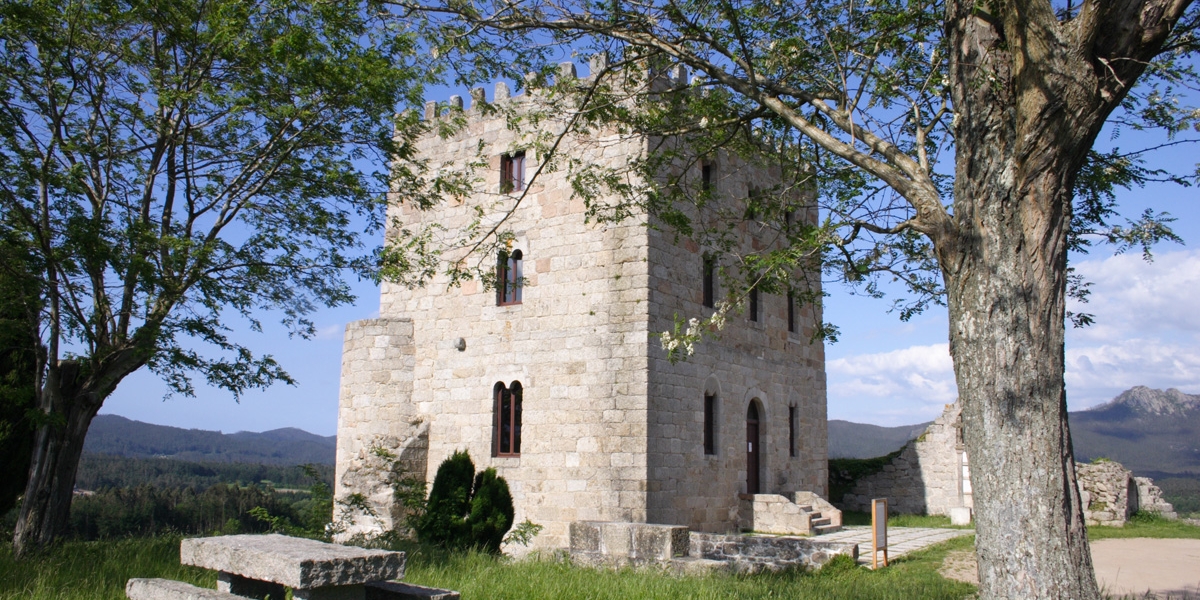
[(821, 522), (823, 529), (806, 507), (167, 589), (692, 565)]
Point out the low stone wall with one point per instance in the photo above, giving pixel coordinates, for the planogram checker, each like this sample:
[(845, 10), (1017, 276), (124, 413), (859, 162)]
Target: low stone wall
[(617, 544), (622, 544), (755, 553)]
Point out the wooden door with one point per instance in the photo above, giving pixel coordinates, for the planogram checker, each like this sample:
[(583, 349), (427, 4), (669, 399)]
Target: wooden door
[(752, 450)]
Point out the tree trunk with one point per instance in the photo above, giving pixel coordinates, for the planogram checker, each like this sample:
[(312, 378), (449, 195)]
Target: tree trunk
[(1027, 114), (45, 510), (1006, 337)]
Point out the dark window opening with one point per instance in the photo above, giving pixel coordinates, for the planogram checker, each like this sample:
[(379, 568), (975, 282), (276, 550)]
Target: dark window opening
[(509, 278), (508, 419), (754, 303), (791, 307), (706, 177), (787, 220), (753, 201), (710, 282), (710, 417), (512, 172), (792, 431)]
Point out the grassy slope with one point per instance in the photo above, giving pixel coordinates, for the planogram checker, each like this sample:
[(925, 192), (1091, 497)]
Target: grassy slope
[(98, 570), (1146, 526), (79, 570)]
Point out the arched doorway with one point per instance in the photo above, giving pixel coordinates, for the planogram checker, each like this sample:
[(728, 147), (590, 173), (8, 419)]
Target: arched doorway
[(752, 449)]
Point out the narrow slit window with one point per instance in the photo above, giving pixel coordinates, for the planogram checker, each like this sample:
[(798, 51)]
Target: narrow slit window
[(512, 172), (507, 419), (792, 431), (710, 282), (754, 303), (509, 278), (710, 417), (706, 177), (791, 311)]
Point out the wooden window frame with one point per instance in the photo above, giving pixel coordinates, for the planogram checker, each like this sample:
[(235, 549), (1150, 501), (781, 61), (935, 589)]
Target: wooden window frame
[(512, 172), (510, 269), (507, 442)]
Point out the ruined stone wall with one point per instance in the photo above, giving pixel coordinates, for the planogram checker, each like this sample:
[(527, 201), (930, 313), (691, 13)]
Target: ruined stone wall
[(749, 361), (931, 475), (1108, 492), (922, 480), (381, 439)]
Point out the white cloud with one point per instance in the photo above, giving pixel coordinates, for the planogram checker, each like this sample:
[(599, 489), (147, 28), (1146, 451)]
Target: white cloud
[(1097, 373), (1132, 298), (898, 387), (330, 332)]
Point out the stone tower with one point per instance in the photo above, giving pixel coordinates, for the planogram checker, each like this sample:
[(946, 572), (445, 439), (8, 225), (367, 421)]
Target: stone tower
[(558, 381)]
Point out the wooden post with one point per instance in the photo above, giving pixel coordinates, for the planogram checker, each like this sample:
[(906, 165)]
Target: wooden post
[(879, 515)]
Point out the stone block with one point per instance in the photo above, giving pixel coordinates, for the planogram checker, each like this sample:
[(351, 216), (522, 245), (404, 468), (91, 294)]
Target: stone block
[(298, 563), (585, 536), (960, 515), (397, 590), (166, 589)]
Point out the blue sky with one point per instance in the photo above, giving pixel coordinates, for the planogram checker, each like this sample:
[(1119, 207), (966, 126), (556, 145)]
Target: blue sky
[(882, 370)]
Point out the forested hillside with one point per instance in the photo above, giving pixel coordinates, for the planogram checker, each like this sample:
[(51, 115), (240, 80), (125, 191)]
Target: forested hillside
[(111, 434), (98, 471)]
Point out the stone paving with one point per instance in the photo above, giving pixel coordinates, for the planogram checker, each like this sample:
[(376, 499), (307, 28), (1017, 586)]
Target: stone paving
[(901, 540)]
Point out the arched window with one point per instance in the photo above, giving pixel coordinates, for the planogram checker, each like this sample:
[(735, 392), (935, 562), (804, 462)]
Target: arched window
[(508, 278), (512, 172), (507, 419)]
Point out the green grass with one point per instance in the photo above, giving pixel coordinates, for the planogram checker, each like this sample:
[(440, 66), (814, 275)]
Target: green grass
[(78, 570), (98, 570), (1144, 525), (941, 521), (480, 576)]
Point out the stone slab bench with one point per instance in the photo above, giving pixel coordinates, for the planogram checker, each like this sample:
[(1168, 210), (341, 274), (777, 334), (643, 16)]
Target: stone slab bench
[(167, 589), (298, 563), (395, 590)]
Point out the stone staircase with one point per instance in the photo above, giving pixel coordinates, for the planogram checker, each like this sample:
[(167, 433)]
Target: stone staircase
[(804, 513)]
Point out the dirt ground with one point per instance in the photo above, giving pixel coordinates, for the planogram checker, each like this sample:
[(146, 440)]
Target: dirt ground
[(1137, 567)]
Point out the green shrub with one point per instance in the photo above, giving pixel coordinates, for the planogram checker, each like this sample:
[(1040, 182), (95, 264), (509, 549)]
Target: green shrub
[(445, 520), (465, 510), (491, 511)]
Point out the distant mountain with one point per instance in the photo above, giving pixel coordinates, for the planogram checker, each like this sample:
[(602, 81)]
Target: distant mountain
[(1142, 428), (112, 434), (860, 440), (1147, 430)]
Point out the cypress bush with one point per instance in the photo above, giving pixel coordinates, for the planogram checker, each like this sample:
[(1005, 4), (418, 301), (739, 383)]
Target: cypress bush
[(445, 519), (465, 509), (491, 511)]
